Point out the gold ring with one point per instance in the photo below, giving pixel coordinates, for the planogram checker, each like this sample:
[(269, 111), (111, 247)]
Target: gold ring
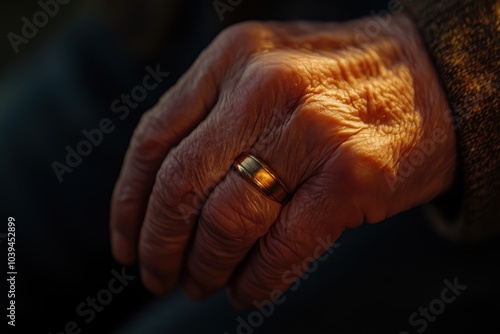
[(261, 176)]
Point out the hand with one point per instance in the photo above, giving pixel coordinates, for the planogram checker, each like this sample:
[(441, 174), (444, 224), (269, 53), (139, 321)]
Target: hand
[(358, 130)]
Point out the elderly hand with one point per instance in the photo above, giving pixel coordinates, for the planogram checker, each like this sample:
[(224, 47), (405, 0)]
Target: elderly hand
[(357, 128)]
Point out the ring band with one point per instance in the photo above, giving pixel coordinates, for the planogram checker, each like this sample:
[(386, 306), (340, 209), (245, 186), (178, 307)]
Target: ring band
[(261, 176)]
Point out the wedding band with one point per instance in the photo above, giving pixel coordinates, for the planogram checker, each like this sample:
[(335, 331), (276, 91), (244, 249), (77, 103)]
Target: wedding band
[(261, 176)]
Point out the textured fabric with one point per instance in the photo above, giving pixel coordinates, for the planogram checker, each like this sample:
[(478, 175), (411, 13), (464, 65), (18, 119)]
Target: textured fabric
[(463, 39)]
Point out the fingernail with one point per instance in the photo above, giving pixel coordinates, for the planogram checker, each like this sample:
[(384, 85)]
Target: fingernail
[(153, 282), (192, 289)]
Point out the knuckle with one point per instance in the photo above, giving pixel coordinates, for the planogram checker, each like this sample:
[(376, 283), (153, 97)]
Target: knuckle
[(178, 193), (268, 70), (281, 250), (223, 222), (247, 32), (231, 221), (274, 261), (169, 183), (141, 133), (148, 133), (170, 194)]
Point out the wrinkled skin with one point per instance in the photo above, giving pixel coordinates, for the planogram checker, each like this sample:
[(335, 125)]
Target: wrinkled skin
[(340, 119)]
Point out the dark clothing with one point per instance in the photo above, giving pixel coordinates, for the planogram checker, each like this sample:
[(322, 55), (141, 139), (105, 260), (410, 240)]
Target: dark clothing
[(463, 39)]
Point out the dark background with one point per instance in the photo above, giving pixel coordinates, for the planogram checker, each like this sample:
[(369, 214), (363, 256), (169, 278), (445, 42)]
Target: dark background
[(64, 81)]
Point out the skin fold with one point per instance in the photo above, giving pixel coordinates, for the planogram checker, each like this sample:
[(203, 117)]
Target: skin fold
[(358, 127)]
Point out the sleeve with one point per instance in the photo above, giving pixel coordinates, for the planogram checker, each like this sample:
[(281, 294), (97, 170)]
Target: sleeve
[(462, 38)]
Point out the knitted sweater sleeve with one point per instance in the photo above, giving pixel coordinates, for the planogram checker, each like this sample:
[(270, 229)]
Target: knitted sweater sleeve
[(463, 39)]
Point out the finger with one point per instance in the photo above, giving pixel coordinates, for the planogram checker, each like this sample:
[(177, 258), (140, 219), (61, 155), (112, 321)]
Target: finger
[(179, 111), (305, 229), (234, 217)]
